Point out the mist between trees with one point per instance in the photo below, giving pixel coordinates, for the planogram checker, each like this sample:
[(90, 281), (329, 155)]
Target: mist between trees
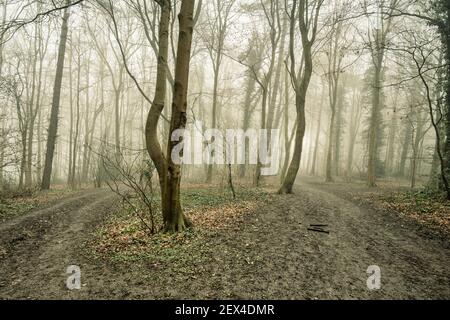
[(357, 90)]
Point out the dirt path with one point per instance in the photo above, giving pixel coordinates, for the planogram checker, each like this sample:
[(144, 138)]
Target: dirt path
[(38, 247), (271, 255)]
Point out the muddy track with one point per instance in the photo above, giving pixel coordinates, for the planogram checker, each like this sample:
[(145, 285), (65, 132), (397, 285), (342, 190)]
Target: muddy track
[(276, 256), (37, 247), (272, 255)]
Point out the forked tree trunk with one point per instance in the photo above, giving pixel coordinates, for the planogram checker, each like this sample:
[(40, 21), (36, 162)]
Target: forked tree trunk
[(300, 84)]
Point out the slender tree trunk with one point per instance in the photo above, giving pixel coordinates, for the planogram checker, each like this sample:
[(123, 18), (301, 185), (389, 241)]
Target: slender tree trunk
[(69, 175), (23, 156), (300, 87), (445, 32), (257, 176), (73, 175), (317, 138), (250, 87), (374, 126), (287, 147), (151, 127), (294, 166), (405, 149), (328, 172), (39, 150), (277, 80), (2, 151), (209, 172), (338, 130), (84, 170), (117, 95), (32, 116), (391, 142), (53, 127)]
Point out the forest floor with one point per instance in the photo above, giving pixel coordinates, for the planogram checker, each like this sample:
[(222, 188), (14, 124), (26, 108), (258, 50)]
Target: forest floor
[(262, 250)]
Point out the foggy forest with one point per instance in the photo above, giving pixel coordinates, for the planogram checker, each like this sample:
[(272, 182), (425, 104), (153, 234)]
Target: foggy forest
[(216, 149)]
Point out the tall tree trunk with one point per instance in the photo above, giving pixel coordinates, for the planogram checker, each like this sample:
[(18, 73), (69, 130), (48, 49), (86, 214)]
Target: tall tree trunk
[(300, 84), (317, 138), (39, 149), (287, 147), (77, 127), (53, 126), (338, 130), (389, 160), (249, 88), (377, 54), (294, 166), (328, 172), (69, 174), (2, 151), (374, 126), (405, 149), (32, 116), (151, 127), (117, 95), (176, 221), (276, 81), (257, 176), (445, 33), (287, 139), (85, 169), (417, 138), (353, 132), (23, 161)]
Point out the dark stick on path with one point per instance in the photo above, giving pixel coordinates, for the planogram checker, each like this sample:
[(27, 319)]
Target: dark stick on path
[(318, 230)]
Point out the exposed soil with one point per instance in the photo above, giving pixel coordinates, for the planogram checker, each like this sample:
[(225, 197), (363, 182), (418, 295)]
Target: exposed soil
[(271, 254)]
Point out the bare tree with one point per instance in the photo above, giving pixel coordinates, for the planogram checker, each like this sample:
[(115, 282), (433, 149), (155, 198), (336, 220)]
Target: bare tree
[(214, 35), (53, 127), (308, 21)]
